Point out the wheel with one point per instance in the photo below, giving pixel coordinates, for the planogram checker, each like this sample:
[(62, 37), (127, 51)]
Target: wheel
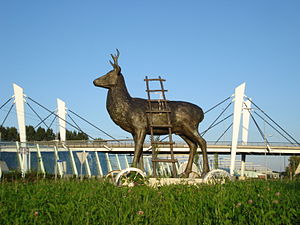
[(195, 171), (130, 177), (111, 176), (216, 176)]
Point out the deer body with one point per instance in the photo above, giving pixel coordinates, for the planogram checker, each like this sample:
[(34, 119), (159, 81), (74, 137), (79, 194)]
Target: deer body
[(130, 114)]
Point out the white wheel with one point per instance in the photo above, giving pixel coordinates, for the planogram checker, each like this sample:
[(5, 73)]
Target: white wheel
[(217, 176), (112, 175), (130, 176), (195, 171)]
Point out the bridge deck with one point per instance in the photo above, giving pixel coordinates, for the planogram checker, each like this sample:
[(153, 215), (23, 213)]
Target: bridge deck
[(127, 146)]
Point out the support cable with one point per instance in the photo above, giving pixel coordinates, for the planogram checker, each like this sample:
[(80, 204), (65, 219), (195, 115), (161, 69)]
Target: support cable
[(7, 114), (6, 102), (93, 125), (42, 121), (75, 123), (57, 116), (274, 128), (212, 124), (223, 133), (217, 105), (52, 120), (273, 121), (260, 131), (202, 134)]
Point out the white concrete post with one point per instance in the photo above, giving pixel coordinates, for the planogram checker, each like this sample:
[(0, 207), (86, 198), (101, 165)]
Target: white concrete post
[(87, 166), (40, 159), (99, 168), (20, 158), (73, 164), (126, 161), (58, 165), (19, 102), (246, 119), (167, 166), (245, 133), (118, 162), (61, 113), (238, 104), (148, 165), (109, 167)]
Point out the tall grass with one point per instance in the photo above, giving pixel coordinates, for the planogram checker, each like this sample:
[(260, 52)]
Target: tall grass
[(95, 202)]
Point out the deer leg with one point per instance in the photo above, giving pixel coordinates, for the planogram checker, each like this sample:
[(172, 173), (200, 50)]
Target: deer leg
[(193, 148), (138, 138), (195, 136), (203, 147), (202, 143)]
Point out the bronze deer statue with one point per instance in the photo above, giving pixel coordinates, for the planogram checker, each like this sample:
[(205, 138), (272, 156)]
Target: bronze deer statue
[(130, 114)]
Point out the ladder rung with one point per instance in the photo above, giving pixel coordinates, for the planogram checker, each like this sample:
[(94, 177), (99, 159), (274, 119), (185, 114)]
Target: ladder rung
[(160, 125), (165, 160), (158, 111), (157, 90), (162, 143), (154, 79)]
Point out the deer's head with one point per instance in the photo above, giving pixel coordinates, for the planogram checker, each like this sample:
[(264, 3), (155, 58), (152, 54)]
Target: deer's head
[(109, 80)]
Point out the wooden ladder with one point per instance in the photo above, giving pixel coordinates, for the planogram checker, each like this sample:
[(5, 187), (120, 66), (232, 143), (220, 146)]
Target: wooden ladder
[(160, 107)]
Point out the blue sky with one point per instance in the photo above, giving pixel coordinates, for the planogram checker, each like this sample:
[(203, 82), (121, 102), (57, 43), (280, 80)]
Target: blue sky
[(55, 49)]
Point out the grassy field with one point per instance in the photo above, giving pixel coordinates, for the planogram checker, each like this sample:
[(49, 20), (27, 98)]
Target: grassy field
[(98, 202)]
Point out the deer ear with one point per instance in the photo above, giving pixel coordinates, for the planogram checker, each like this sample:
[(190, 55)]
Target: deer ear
[(112, 64)]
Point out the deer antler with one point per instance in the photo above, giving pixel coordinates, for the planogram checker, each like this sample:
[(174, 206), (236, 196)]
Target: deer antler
[(115, 58)]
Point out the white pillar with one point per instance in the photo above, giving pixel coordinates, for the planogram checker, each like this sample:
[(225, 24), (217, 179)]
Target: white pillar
[(118, 162), (246, 119), (40, 159), (109, 167), (87, 167), (73, 164), (19, 102), (99, 168), (238, 104), (245, 133), (126, 162), (20, 158), (61, 113), (148, 166), (58, 164)]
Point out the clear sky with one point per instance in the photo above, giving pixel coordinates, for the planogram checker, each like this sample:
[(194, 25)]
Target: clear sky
[(55, 49)]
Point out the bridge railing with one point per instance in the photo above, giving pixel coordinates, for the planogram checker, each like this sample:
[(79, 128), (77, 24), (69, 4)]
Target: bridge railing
[(129, 143)]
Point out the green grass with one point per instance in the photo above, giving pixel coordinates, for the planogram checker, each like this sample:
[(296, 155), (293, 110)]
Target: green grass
[(98, 202)]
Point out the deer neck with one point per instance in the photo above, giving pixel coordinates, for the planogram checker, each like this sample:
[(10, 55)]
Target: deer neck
[(118, 99)]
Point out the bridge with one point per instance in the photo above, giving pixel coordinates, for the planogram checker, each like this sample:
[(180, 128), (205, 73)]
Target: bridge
[(242, 113), (126, 146)]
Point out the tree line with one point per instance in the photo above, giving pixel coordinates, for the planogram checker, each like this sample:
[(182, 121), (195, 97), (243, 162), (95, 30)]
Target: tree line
[(39, 134)]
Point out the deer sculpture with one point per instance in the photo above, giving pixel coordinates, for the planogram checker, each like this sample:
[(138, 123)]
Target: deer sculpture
[(130, 114)]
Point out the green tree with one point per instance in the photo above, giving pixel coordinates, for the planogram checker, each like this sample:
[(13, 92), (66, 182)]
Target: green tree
[(40, 134), (50, 135), (293, 164), (30, 133), (12, 134), (3, 133), (82, 136), (69, 135)]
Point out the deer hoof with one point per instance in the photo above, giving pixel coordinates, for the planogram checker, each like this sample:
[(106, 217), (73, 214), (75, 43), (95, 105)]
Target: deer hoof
[(184, 175)]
